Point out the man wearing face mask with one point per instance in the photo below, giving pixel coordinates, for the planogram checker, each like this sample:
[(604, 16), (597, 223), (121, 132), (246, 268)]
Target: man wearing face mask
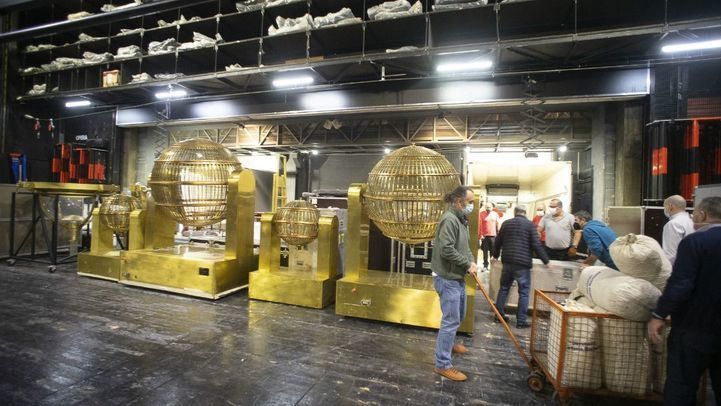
[(679, 225), (598, 237), (692, 299), (488, 221), (558, 228), (451, 261), (540, 212), (515, 245)]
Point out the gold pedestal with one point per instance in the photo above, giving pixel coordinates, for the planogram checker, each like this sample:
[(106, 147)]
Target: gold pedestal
[(292, 287), (101, 265), (391, 296), (310, 288), (397, 298), (193, 270), (185, 269)]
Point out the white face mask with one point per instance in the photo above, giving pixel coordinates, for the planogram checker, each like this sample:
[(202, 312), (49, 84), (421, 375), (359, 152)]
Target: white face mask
[(552, 210), (468, 209), (539, 212)]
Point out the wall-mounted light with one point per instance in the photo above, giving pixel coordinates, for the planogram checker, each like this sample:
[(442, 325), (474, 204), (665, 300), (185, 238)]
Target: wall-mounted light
[(470, 66), (77, 103), (467, 149), (387, 150), (171, 94), (562, 149), (691, 46), (295, 81), (314, 152)]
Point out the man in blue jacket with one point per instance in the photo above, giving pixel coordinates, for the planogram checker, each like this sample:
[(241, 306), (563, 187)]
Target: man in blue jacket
[(692, 299), (514, 243), (598, 237)]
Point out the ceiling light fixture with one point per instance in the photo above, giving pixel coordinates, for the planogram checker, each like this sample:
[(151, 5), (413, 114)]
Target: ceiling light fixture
[(562, 149), (296, 81), (691, 46), (464, 66), (77, 103), (171, 94), (314, 152), (387, 150)]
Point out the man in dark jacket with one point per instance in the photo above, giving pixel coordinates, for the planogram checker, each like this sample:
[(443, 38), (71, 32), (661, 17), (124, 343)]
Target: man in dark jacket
[(451, 261), (692, 298), (514, 243)]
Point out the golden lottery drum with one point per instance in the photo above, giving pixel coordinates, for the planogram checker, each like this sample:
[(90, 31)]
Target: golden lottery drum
[(189, 181), (115, 211), (405, 192), (297, 222)]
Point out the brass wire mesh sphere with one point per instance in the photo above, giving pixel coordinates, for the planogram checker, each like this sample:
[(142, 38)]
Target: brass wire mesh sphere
[(405, 193), (297, 222), (115, 211), (189, 181)]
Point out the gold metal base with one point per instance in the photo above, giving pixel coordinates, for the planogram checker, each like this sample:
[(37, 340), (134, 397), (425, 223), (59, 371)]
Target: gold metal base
[(292, 287), (101, 265), (397, 298), (184, 269)]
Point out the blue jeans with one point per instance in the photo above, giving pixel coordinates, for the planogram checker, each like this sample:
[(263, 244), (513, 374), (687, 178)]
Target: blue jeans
[(453, 306), (522, 276)]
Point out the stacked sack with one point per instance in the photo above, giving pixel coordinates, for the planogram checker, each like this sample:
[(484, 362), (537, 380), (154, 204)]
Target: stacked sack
[(582, 361), (631, 294)]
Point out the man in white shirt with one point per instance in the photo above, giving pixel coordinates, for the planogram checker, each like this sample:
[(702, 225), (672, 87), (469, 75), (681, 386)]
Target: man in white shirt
[(558, 228), (679, 225)]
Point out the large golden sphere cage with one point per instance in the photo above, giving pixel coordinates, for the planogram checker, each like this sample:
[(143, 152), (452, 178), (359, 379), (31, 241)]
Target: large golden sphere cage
[(189, 181), (115, 211), (405, 191), (297, 222)]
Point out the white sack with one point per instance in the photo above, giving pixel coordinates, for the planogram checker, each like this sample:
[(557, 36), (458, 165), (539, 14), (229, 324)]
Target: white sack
[(622, 295), (626, 366), (642, 257)]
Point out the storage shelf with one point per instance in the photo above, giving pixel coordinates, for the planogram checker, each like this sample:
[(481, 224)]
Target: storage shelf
[(516, 24)]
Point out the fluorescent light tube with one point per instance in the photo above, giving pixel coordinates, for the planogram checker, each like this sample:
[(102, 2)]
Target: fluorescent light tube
[(464, 66), (691, 46), (172, 94), (293, 81), (77, 103)]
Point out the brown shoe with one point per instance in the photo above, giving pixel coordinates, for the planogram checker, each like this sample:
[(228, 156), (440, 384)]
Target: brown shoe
[(459, 348), (451, 373)]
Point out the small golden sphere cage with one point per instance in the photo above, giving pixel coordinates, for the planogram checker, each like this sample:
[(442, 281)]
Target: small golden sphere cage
[(297, 222), (405, 192), (115, 211), (189, 181)]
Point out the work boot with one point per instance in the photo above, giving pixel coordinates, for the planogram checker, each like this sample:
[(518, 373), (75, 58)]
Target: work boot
[(459, 348), (505, 318), (523, 325), (451, 373)]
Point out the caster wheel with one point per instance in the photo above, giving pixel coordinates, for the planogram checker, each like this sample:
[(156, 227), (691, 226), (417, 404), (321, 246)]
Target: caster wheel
[(536, 381), (10, 262), (52, 268)]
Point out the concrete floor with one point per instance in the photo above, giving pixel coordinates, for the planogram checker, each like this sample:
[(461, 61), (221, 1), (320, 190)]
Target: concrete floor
[(69, 340)]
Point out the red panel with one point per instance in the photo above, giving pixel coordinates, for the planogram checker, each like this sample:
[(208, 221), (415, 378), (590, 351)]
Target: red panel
[(659, 161)]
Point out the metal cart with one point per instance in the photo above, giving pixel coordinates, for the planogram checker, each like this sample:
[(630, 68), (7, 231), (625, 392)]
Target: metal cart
[(566, 351)]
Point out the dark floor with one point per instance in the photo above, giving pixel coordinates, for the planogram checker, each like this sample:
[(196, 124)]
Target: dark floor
[(68, 340)]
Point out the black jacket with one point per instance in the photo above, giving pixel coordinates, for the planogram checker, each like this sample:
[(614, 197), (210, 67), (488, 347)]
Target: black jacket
[(516, 241), (693, 292)]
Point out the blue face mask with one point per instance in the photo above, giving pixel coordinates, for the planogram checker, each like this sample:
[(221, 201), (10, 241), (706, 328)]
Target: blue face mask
[(468, 209)]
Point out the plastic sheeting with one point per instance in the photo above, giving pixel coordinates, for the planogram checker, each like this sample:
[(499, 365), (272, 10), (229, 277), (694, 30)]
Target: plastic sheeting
[(127, 31), (90, 58), (168, 76), (250, 5), (343, 16), (37, 90), (287, 25), (233, 67), (162, 47), (394, 9), (129, 51), (106, 8), (39, 47), (181, 20), (199, 41), (457, 4), (79, 15), (141, 78)]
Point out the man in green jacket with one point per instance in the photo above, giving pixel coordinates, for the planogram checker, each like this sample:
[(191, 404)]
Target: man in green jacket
[(451, 261)]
